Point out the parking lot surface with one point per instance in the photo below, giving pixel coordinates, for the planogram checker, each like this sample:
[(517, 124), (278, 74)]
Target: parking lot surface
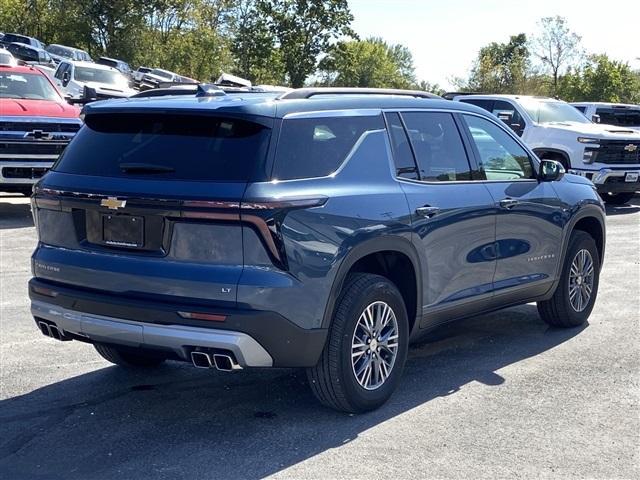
[(496, 396)]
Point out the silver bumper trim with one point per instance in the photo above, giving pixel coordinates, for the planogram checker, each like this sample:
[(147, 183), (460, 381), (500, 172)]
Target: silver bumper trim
[(600, 177), (179, 338)]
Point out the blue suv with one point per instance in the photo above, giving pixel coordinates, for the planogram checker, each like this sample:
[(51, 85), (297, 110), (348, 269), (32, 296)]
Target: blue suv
[(320, 228)]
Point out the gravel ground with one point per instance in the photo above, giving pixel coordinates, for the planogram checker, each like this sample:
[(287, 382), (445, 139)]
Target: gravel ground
[(496, 396)]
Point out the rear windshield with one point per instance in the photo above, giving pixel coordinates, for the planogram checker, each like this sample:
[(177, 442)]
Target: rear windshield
[(178, 147), (621, 117)]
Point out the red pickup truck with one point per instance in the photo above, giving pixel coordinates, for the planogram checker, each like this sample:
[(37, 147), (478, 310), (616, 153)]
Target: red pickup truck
[(36, 124)]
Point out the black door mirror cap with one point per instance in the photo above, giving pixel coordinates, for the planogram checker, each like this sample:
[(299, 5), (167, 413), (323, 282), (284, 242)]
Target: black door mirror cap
[(550, 170)]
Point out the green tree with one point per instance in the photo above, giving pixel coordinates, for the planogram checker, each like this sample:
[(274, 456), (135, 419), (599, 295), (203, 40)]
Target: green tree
[(368, 63), (501, 67), (557, 47), (601, 79), (304, 29), (253, 45)]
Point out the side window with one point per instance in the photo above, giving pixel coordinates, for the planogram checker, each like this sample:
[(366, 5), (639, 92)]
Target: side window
[(582, 109), (486, 104), (506, 112), (402, 154), (500, 155), (438, 147), (316, 147)]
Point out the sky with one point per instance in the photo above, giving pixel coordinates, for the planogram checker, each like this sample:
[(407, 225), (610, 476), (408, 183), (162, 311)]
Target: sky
[(445, 36)]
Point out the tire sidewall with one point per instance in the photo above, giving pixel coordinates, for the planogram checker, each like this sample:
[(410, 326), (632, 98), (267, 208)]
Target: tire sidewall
[(359, 397), (579, 242)]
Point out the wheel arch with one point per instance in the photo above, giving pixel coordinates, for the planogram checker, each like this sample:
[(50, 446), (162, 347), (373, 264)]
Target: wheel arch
[(556, 152), (378, 256)]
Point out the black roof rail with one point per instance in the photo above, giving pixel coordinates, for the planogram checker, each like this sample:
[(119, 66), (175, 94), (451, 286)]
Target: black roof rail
[(313, 91), (450, 95)]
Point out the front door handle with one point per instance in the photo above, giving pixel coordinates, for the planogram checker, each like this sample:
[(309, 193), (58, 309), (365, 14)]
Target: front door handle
[(427, 211), (509, 202)]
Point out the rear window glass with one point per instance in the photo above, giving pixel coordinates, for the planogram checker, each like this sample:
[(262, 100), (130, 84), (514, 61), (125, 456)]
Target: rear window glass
[(180, 147), (316, 147), (621, 117)]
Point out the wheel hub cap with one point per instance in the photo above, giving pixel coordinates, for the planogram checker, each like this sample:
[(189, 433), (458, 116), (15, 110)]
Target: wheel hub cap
[(374, 345), (581, 280)]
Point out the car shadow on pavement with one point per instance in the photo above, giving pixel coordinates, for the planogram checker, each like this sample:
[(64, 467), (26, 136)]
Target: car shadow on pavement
[(177, 421), (632, 206), (15, 215)]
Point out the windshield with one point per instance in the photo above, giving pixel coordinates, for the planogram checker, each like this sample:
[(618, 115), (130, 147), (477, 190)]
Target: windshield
[(10, 38), (620, 117), (161, 73), (109, 77), (26, 85), (542, 111)]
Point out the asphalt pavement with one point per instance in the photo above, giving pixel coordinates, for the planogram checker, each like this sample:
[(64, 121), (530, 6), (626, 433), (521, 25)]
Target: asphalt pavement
[(496, 396)]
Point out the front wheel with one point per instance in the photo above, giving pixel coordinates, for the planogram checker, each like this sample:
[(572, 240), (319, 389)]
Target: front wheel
[(362, 362), (576, 293), (617, 198)]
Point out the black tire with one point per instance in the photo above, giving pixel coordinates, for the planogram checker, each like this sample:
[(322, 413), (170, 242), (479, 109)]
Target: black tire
[(558, 310), (128, 359), (333, 380), (617, 198)]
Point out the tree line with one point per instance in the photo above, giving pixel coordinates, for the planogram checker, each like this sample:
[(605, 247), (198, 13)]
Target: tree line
[(308, 42), (552, 63)]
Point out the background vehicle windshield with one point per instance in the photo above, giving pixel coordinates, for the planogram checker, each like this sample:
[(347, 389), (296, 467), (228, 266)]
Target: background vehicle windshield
[(542, 111), (26, 85), (160, 73), (87, 74)]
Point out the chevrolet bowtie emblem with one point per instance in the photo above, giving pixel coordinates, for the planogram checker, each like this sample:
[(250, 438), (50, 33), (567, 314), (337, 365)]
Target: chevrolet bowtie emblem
[(631, 147), (112, 203)]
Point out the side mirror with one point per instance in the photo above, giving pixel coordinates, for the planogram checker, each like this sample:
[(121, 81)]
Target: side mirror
[(69, 99), (65, 79), (595, 118), (551, 171)]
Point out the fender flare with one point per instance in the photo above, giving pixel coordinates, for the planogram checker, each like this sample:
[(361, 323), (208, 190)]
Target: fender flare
[(387, 243), (587, 211)]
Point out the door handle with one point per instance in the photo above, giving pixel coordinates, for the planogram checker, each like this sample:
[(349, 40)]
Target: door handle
[(427, 211), (509, 202)]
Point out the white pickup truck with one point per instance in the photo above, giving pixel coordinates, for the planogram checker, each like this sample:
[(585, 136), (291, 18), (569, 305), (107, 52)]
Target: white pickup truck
[(607, 155)]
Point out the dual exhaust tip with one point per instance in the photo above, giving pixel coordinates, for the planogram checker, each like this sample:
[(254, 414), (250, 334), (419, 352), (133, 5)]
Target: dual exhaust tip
[(221, 361), (51, 330)]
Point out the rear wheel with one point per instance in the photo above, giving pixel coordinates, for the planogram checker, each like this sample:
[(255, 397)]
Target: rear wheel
[(617, 198), (362, 362), (126, 358), (575, 296)]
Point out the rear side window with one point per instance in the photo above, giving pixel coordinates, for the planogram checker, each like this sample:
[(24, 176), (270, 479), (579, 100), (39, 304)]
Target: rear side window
[(438, 146), (316, 147), (180, 147), (486, 104)]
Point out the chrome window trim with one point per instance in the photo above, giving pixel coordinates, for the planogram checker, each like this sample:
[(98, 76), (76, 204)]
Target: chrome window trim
[(362, 112)]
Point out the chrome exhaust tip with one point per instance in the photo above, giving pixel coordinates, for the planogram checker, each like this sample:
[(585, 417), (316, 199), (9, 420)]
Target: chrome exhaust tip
[(44, 328), (225, 363), (201, 360)]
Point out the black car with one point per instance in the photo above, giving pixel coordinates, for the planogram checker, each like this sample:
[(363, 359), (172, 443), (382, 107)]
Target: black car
[(9, 38), (31, 54)]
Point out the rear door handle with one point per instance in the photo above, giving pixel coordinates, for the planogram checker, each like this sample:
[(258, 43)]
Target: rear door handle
[(509, 202), (427, 211)]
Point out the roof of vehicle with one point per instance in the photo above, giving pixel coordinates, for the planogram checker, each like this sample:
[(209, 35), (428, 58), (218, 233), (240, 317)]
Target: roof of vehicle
[(489, 96), (20, 69), (607, 104), (109, 59), (270, 105), (66, 47), (95, 66)]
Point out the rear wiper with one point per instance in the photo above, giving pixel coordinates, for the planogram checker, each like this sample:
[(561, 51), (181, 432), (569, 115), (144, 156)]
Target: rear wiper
[(145, 168)]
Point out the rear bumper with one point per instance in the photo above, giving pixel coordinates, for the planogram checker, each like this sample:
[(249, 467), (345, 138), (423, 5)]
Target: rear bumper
[(257, 339)]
